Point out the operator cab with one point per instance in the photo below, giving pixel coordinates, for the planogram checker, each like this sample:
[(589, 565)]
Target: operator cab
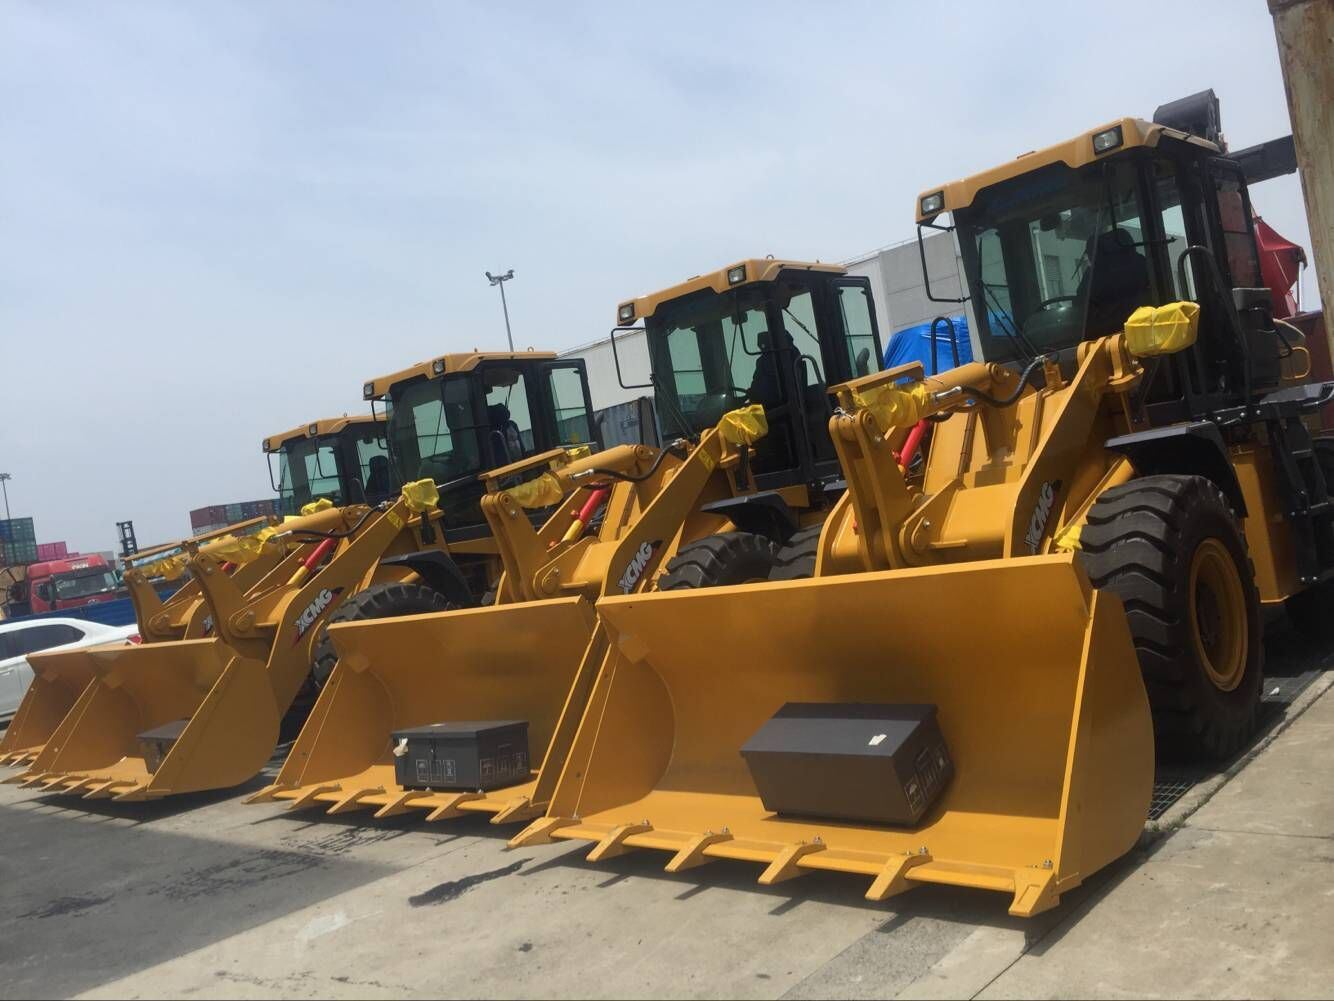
[(342, 459), (456, 417), (1061, 245), (762, 331)]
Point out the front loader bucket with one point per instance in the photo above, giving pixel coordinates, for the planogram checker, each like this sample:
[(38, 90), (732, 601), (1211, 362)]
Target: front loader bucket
[(507, 662), (1032, 673), (159, 719), (58, 681)]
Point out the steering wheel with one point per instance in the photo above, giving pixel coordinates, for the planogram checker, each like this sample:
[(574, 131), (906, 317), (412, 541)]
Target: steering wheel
[(1042, 307), (1053, 301)]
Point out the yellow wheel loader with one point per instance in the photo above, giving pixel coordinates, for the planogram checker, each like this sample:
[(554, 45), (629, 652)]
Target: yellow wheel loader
[(193, 714), (758, 337), (329, 459), (967, 690)]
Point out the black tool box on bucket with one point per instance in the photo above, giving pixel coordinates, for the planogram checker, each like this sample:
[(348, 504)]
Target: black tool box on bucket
[(486, 754), (883, 764)]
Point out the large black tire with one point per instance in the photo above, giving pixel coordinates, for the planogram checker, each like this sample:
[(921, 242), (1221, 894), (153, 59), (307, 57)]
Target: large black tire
[(796, 560), (716, 560), (1311, 610), (1170, 548), (379, 601)]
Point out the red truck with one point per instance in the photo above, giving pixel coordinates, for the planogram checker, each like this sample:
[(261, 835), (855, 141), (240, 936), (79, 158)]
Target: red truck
[(71, 582)]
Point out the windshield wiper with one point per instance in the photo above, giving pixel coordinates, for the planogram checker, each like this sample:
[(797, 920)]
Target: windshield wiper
[(675, 413), (1014, 333)]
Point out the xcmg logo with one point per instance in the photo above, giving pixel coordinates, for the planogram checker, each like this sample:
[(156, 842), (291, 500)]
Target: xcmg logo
[(1041, 513), (637, 564), (314, 610)]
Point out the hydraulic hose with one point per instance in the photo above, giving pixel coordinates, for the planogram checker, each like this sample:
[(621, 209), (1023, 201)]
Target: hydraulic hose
[(311, 533), (616, 474), (1018, 390)]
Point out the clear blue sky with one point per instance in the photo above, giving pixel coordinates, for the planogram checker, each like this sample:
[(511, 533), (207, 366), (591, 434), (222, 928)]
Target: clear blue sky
[(217, 219)]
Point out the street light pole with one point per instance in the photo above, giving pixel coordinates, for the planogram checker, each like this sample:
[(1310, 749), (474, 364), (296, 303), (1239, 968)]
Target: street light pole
[(3, 478), (501, 280)]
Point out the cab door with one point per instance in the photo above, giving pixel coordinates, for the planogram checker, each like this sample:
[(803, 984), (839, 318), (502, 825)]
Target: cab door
[(567, 406)]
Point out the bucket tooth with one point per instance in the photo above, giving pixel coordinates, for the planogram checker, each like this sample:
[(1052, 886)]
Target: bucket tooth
[(56, 781), (692, 854), (27, 781), (1034, 892), (516, 810), (402, 803), (308, 796), (449, 808), (893, 879), (81, 785), (540, 831), (352, 801), (134, 794), (104, 790), (265, 795), (614, 843), (788, 863)]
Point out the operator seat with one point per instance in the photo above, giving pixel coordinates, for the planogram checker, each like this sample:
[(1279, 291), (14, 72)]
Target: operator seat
[(1118, 282), (504, 430), (379, 479)]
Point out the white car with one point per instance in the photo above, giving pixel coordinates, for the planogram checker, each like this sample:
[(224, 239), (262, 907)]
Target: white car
[(18, 639)]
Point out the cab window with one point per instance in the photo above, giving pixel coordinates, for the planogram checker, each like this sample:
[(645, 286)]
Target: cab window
[(854, 308), (566, 385), (509, 424)]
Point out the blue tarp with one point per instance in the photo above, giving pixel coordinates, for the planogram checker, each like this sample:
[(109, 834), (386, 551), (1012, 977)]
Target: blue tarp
[(914, 344)]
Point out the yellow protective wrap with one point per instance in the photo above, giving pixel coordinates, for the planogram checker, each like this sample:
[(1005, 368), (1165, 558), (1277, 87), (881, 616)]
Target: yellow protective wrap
[(227, 549), (421, 495), (1162, 330), (578, 452), (316, 506), (745, 426), (1068, 540), (894, 406), (240, 549), (541, 492), (170, 568)]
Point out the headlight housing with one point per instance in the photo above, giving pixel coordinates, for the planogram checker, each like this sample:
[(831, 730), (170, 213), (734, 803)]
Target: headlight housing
[(1107, 139), (932, 204)]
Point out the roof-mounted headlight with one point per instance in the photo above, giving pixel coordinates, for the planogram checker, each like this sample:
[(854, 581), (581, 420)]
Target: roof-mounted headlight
[(266, 445), (932, 204), (1107, 139), (625, 313), (368, 391), (736, 275), (312, 430), (438, 366)]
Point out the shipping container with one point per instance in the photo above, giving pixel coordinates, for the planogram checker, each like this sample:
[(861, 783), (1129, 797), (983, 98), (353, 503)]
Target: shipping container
[(52, 551), (17, 530)]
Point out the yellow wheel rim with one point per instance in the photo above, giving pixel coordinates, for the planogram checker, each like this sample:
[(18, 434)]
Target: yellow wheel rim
[(1219, 628)]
